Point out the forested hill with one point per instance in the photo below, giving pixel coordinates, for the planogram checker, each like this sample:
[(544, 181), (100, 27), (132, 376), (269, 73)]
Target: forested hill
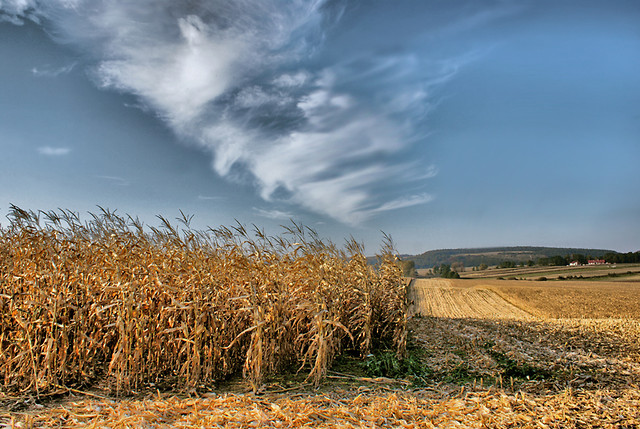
[(496, 255)]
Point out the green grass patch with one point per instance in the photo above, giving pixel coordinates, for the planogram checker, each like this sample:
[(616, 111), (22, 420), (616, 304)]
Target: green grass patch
[(385, 363), (510, 368), (463, 374)]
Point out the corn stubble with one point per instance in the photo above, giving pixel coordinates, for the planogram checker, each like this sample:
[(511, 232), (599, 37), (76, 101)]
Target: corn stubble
[(108, 300)]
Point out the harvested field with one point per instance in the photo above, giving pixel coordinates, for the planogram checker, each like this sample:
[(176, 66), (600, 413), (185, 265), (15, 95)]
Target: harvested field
[(572, 299), (446, 298), (536, 355), (490, 298), (356, 407), (629, 278)]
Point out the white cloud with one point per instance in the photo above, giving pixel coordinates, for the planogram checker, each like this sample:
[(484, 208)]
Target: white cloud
[(334, 164), (48, 71), (177, 78), (287, 80), (15, 10), (342, 197), (328, 140), (229, 144), (53, 151), (255, 96), (273, 214), (314, 101), (299, 162), (400, 203), (181, 65)]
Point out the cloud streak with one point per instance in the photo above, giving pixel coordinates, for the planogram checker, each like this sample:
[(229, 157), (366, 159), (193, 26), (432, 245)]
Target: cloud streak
[(400, 203), (209, 198), (53, 151), (48, 71), (238, 79), (118, 181), (273, 214)]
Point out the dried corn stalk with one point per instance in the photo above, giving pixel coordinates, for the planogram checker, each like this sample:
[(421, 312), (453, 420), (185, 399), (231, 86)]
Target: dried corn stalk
[(109, 299)]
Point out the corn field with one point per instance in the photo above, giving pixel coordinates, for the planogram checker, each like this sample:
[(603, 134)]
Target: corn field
[(114, 301)]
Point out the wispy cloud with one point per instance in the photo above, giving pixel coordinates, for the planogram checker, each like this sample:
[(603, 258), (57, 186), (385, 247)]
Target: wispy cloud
[(236, 77), (49, 71), (53, 151), (15, 11), (476, 14), (118, 181), (400, 203), (209, 198), (273, 214)]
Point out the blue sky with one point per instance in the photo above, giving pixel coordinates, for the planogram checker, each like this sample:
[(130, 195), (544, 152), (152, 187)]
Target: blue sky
[(443, 123)]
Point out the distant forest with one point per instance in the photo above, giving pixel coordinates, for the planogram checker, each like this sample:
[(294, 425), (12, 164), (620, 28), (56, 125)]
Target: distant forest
[(513, 256)]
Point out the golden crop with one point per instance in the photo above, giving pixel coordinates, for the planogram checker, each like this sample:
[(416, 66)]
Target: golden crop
[(491, 298), (111, 300)]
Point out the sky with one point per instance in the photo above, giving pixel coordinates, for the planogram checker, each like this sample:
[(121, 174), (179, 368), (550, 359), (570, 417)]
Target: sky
[(445, 124)]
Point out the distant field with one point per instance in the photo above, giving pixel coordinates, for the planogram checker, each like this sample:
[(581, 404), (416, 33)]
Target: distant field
[(572, 299), (448, 298), (557, 299), (630, 278), (554, 272), (532, 273)]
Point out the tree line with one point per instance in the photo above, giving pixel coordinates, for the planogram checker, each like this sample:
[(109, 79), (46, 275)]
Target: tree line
[(559, 260), (609, 257), (452, 270), (622, 258)]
